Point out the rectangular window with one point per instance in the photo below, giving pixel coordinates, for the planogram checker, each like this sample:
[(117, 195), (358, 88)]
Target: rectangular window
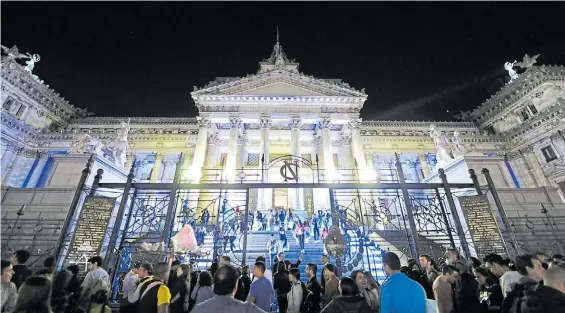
[(548, 154), (533, 109), (21, 111), (524, 114), (7, 105)]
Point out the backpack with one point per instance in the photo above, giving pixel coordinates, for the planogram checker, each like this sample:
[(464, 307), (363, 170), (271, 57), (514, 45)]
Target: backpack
[(306, 304)]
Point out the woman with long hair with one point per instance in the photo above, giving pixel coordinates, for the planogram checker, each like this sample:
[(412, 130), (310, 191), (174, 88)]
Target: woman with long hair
[(179, 290), (281, 284), (99, 303), (362, 283), (467, 294), (34, 296), (349, 299), (59, 293), (490, 291)]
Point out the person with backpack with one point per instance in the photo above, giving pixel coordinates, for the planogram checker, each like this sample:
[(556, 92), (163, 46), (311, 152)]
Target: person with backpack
[(155, 296), (296, 293), (532, 271), (349, 300), (96, 279), (130, 304)]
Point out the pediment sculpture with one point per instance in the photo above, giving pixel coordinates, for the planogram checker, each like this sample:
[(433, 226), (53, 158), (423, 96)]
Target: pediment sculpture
[(444, 150)]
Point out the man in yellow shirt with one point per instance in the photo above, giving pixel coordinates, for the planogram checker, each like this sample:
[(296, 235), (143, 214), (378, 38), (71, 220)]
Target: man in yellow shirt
[(156, 297)]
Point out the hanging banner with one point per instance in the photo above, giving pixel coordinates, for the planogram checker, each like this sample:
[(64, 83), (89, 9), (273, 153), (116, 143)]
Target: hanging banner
[(483, 227), (91, 228)]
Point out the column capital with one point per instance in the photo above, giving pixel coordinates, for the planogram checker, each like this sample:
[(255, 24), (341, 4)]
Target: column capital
[(354, 123), (203, 122), (235, 122), (242, 140), (213, 139), (317, 140), (295, 122), (346, 139), (265, 122), (325, 122)]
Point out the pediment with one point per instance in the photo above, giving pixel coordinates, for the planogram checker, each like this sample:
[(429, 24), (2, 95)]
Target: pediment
[(278, 83), (280, 89)]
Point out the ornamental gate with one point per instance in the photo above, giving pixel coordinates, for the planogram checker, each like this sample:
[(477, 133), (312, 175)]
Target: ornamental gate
[(371, 217)]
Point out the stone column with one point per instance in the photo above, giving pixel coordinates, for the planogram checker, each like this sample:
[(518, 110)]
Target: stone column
[(156, 172), (264, 196), (129, 160), (357, 145), (415, 172), (241, 153), (212, 151), (9, 157), (195, 172), (297, 193), (350, 171), (41, 161), (424, 163), (231, 162), (329, 170)]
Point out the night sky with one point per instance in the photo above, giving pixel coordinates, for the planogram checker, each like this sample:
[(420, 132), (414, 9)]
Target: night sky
[(416, 61)]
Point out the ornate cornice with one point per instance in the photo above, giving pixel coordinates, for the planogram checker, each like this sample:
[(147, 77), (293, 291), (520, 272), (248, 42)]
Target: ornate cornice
[(203, 122), (113, 120), (512, 92), (354, 123)]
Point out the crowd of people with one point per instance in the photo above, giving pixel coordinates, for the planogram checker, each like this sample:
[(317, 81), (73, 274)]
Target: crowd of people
[(527, 284)]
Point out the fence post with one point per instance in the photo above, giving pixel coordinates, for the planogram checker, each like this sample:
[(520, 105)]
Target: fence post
[(454, 213), (475, 181), (415, 253), (73, 207), (119, 217), (445, 219), (96, 182), (170, 219), (507, 230), (246, 227)]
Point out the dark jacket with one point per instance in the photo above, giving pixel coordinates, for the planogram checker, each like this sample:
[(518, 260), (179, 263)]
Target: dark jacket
[(288, 265), (314, 287), (246, 285), (180, 288), (240, 291), (331, 290), (545, 300), (281, 283), (515, 299), (343, 304), (21, 273)]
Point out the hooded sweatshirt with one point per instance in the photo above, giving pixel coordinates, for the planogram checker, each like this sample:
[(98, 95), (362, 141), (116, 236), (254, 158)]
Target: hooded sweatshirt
[(341, 304), (545, 300), (515, 299)]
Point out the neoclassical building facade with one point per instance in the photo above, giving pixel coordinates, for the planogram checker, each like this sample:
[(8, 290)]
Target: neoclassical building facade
[(245, 123)]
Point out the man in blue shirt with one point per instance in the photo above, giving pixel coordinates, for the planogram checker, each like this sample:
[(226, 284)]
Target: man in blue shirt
[(400, 294), (261, 293)]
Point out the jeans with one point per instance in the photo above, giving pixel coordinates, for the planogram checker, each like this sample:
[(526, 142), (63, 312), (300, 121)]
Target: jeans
[(301, 240), (316, 233)]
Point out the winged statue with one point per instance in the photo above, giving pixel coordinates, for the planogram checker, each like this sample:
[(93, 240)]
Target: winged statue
[(528, 61), (14, 53)]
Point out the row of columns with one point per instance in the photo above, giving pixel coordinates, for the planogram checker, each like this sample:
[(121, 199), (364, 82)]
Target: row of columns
[(17, 158)]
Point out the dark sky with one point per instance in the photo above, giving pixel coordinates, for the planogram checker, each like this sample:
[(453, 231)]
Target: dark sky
[(417, 61)]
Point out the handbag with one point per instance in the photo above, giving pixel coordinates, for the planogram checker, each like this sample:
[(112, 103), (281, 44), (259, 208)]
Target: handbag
[(192, 302)]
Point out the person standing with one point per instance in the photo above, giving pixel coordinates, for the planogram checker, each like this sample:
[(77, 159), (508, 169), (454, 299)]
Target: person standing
[(129, 305), (332, 283), (34, 296), (282, 286), (549, 297), (314, 287), (316, 226), (429, 276), (246, 280), (371, 297), (466, 295), (490, 289), (454, 258), (261, 292), (272, 246), (324, 260), (96, 279), (532, 271), (287, 262), (156, 298), (21, 271), (294, 297), (349, 300), (283, 241), (180, 290), (203, 290), (130, 281), (225, 286), (495, 263), (443, 289), (9, 291), (413, 299)]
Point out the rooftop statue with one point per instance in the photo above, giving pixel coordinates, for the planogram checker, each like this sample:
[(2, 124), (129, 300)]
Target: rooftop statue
[(444, 151), (528, 61), (511, 72), (85, 143), (31, 62), (458, 147)]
